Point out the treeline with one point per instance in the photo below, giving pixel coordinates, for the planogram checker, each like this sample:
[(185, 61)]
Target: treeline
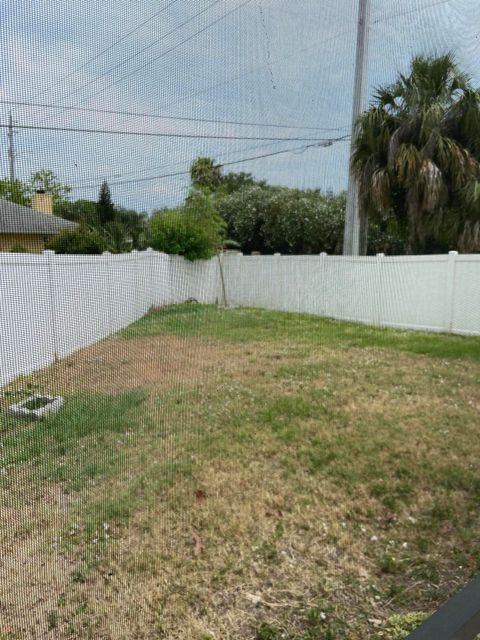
[(221, 210), (254, 216)]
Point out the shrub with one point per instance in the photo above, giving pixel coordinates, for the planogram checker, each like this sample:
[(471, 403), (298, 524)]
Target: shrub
[(81, 240), (194, 231), (269, 219)]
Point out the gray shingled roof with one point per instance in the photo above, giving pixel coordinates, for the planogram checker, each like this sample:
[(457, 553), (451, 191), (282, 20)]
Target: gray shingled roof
[(15, 218)]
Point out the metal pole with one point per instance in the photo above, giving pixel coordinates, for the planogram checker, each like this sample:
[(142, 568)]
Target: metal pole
[(351, 240), (11, 149)]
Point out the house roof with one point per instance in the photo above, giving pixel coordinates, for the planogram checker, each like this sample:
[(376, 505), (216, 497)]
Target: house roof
[(15, 218)]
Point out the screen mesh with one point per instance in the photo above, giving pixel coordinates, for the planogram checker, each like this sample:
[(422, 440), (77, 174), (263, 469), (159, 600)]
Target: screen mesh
[(240, 354)]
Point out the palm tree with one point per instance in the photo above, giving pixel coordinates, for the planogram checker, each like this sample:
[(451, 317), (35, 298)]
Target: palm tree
[(417, 152), (206, 174)]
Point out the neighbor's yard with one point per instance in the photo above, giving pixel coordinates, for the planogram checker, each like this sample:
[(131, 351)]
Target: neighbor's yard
[(239, 475)]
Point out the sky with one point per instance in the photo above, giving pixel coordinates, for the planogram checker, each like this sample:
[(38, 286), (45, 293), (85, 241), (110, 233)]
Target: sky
[(267, 62)]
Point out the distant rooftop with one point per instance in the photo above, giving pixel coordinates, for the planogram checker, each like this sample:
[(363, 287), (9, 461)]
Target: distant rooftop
[(15, 218)]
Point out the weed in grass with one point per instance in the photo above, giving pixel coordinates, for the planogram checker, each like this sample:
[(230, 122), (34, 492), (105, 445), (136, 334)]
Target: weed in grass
[(389, 564), (428, 571), (440, 511), (390, 502), (267, 551), (268, 631), (423, 544), (279, 531), (78, 576), (398, 626), (395, 592), (460, 479), (319, 458), (52, 619), (107, 510)]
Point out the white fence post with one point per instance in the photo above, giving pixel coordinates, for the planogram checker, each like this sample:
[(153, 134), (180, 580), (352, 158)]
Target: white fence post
[(150, 258), (450, 290), (323, 295), (50, 257), (377, 307)]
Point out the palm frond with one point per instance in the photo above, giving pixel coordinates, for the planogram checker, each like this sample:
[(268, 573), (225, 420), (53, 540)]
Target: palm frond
[(434, 191), (407, 164), (431, 118), (381, 191), (471, 196), (469, 239), (400, 136)]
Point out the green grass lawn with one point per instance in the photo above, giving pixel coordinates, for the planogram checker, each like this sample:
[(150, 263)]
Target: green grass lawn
[(247, 325), (248, 475)]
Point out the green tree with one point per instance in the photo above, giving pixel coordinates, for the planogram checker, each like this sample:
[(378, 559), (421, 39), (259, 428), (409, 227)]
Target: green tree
[(270, 219), (417, 156), (82, 211), (194, 231), (46, 180), (232, 182), (16, 191), (205, 174), (135, 226), (116, 237), (82, 240), (105, 207)]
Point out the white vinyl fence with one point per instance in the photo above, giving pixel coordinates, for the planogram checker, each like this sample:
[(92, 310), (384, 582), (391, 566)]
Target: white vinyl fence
[(432, 293), (53, 305)]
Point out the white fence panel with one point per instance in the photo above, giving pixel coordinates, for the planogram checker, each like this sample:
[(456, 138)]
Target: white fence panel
[(26, 311), (433, 293), (466, 295), (81, 295)]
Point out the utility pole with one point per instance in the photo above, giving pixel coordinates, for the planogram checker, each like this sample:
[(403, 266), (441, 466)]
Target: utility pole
[(351, 239), (11, 149)]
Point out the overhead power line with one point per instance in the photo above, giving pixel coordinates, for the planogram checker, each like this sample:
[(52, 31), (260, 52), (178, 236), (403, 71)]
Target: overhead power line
[(153, 134), (165, 166), (121, 63), (164, 53), (325, 143), (109, 48), (167, 117)]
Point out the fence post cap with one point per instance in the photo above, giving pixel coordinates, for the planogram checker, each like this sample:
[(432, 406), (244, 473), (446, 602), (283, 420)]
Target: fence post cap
[(48, 252), (380, 255), (277, 254), (149, 250), (453, 253), (324, 253)]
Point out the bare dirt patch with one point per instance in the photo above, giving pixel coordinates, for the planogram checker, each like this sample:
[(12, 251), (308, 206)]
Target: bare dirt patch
[(158, 362), (148, 362)]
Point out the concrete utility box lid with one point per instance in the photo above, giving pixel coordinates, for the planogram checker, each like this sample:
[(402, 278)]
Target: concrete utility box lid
[(36, 406)]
